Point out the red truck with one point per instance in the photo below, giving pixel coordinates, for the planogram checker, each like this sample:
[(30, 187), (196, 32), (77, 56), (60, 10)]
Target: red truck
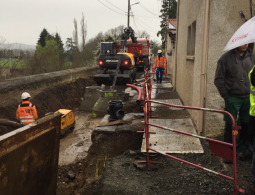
[(140, 51)]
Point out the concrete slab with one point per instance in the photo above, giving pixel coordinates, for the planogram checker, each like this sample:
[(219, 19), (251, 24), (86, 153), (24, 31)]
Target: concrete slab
[(169, 101), (115, 128), (170, 142), (162, 86), (131, 91)]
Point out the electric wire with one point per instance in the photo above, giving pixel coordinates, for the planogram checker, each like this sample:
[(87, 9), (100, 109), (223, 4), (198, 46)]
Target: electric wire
[(135, 24), (145, 24), (115, 6), (146, 17), (144, 27), (146, 8), (110, 8)]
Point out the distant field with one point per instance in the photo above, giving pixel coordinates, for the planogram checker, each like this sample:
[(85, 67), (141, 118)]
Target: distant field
[(13, 63)]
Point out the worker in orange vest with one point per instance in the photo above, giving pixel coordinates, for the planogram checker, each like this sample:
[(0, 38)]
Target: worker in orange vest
[(26, 112), (160, 65)]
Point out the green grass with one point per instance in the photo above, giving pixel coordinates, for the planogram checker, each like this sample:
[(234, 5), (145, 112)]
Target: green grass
[(13, 63), (68, 65)]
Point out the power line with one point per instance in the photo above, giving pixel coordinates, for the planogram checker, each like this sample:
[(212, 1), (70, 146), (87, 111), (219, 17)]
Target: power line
[(115, 6), (146, 17), (145, 24), (146, 8), (135, 24), (110, 8)]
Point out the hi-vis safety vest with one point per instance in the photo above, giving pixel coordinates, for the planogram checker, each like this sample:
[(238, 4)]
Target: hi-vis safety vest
[(160, 63), (252, 95), (26, 113)]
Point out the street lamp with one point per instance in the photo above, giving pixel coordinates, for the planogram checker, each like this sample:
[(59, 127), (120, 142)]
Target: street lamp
[(129, 7)]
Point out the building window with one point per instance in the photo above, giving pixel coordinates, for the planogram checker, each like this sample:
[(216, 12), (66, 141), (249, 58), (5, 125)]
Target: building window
[(191, 39)]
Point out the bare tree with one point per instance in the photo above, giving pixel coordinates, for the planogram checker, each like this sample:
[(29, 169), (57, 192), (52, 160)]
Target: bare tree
[(2, 41), (143, 34), (83, 32), (75, 34), (115, 33)]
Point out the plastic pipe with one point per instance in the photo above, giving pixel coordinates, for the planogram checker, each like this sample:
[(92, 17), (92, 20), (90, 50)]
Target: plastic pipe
[(139, 92)]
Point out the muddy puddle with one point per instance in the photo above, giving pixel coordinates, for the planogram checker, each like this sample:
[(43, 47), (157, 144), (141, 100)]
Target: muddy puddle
[(75, 145)]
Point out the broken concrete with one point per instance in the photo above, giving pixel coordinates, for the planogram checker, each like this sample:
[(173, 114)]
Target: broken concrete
[(135, 125)]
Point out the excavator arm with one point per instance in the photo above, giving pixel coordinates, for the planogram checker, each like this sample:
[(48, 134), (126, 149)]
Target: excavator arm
[(128, 33)]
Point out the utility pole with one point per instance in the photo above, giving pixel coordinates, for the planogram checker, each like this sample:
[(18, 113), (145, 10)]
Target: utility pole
[(128, 12)]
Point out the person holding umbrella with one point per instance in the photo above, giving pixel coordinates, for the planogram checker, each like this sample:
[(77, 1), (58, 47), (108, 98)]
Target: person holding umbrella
[(232, 82)]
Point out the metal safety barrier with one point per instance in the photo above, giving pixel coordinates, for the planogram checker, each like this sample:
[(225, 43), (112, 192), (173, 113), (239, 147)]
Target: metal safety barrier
[(218, 148)]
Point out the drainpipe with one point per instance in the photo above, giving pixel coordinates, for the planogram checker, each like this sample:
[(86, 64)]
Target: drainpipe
[(176, 47), (204, 66), (251, 8)]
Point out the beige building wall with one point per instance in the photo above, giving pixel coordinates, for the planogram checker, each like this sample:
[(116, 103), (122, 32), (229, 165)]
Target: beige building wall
[(224, 21), (188, 69), (169, 54)]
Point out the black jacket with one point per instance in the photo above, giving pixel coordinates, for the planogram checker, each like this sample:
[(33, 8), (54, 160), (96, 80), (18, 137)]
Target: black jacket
[(231, 76)]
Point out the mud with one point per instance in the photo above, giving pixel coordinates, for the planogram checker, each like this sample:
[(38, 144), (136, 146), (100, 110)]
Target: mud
[(75, 145)]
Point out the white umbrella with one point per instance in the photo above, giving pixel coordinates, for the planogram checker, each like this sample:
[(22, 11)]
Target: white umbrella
[(244, 35)]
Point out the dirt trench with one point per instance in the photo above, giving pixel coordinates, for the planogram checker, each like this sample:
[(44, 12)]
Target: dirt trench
[(46, 99)]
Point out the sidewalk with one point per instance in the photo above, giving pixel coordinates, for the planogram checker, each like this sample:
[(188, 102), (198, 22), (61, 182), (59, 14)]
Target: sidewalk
[(176, 118)]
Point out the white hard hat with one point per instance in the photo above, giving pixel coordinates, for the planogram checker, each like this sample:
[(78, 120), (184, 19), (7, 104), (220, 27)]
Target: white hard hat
[(25, 95), (159, 51)]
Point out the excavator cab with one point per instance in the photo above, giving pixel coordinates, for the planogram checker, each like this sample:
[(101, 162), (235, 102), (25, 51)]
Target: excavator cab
[(108, 48), (109, 59)]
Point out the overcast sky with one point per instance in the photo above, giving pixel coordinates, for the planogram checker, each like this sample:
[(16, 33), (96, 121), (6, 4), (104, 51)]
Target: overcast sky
[(21, 21)]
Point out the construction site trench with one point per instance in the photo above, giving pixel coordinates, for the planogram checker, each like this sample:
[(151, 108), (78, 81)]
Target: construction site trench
[(104, 162)]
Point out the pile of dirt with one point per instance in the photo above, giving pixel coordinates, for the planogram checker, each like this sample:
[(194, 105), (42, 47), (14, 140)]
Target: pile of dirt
[(48, 99)]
